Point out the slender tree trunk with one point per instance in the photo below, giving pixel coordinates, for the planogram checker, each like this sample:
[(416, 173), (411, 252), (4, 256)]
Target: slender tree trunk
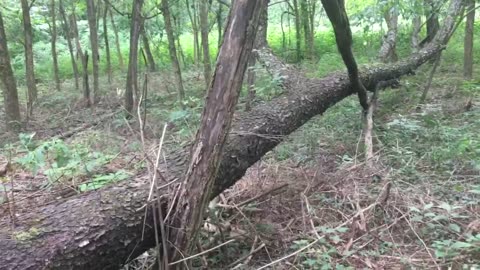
[(220, 105), (117, 41), (193, 22), (8, 84), (298, 30), (83, 58), (172, 49), (53, 32), (388, 50), (305, 20), (251, 76), (176, 31), (132, 82), (468, 43), (146, 45), (207, 67), (29, 62), (312, 10), (92, 25), (432, 23), (219, 24), (68, 36), (343, 34), (416, 28), (107, 43)]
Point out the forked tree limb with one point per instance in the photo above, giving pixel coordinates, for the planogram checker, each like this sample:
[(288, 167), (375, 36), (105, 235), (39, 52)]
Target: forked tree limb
[(103, 229)]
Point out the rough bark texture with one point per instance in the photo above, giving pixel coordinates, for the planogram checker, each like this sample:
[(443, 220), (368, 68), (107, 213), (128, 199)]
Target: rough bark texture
[(468, 44), (68, 36), (132, 81), (29, 62), (92, 25), (102, 229), (53, 42), (172, 49), (388, 50), (204, 28), (216, 120), (8, 84)]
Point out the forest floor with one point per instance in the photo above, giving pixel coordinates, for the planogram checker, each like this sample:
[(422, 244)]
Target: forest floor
[(310, 201)]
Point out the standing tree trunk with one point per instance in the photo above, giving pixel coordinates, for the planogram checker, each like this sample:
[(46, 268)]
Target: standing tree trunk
[(298, 30), (416, 28), (107, 44), (29, 63), (8, 84), (431, 12), (388, 50), (92, 25), (204, 27), (117, 40), (343, 34), (468, 44), (83, 58), (172, 49), (219, 24), (53, 32), (132, 84), (146, 45), (68, 36), (193, 21), (304, 14), (220, 105)]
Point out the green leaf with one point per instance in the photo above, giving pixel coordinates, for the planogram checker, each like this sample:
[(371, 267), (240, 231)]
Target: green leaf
[(454, 227), (461, 245)]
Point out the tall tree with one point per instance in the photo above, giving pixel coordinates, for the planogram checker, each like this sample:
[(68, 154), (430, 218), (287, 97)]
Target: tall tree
[(53, 36), (8, 83), (117, 40), (92, 25), (165, 8), (107, 44), (335, 10), (468, 43), (29, 62), (152, 67), (388, 49), (220, 105), (431, 12), (67, 31), (83, 58), (205, 29), (192, 14), (131, 87), (298, 30)]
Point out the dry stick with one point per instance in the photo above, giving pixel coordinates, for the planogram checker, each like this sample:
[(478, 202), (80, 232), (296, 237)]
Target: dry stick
[(261, 195), (202, 253), (369, 127), (430, 78), (246, 256)]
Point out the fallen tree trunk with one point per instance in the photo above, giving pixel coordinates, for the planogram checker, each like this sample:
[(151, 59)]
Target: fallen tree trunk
[(103, 229)]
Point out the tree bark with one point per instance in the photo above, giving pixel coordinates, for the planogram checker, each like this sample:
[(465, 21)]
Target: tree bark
[(343, 34), (193, 22), (8, 84), (220, 105), (107, 43), (468, 43), (388, 50), (92, 25), (53, 33), (83, 58), (172, 49), (103, 229), (131, 87), (298, 30), (416, 28), (146, 45), (431, 12), (29, 62), (117, 41), (68, 36), (204, 28)]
